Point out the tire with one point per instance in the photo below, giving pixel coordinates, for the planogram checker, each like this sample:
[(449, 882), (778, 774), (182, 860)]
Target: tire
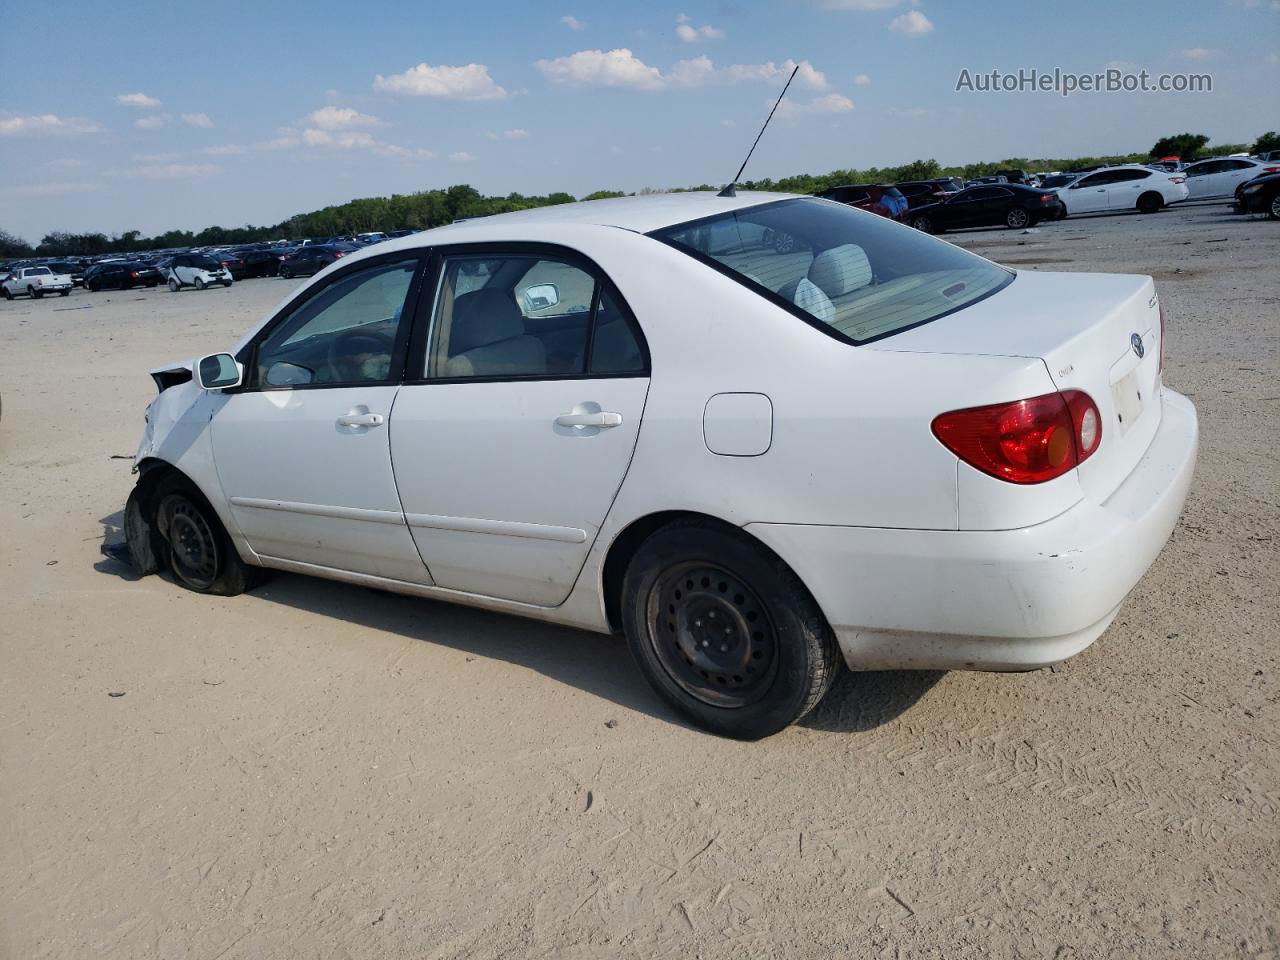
[(693, 586), (1150, 202), (923, 224), (200, 284), (7, 294), (34, 294), (174, 286), (286, 273), (1017, 219), (93, 286), (64, 293), (197, 549), (1273, 209), (227, 284)]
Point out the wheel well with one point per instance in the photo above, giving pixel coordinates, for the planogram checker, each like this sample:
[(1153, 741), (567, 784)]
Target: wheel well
[(625, 545), (1151, 193)]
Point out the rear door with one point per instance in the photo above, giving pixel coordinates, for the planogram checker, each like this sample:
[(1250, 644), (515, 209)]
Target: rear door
[(1125, 187), (515, 431)]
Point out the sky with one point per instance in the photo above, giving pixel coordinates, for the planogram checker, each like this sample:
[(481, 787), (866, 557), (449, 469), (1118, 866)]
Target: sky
[(165, 115)]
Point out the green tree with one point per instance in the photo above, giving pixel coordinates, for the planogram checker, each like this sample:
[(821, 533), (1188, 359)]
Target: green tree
[(11, 246), (1184, 145), (1268, 141)]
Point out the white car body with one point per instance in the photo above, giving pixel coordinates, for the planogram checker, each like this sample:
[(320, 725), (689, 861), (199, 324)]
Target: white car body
[(1219, 176), (1121, 188), (35, 282), (196, 270), (515, 494)]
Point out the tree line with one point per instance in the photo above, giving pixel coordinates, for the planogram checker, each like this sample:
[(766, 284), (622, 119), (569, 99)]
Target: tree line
[(433, 208)]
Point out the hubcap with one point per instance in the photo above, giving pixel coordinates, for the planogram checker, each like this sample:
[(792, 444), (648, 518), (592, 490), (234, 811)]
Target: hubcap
[(1018, 218), (712, 635), (194, 546)]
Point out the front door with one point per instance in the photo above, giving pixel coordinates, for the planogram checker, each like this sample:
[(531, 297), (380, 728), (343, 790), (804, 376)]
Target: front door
[(302, 452), (512, 443)]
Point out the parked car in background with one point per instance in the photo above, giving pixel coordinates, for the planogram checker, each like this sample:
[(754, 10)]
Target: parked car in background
[(263, 262), (1055, 180), (71, 268), (997, 479), (1125, 187), (991, 205), (35, 282), (233, 262), (1261, 195), (1013, 176), (197, 270), (1219, 177), (875, 198), (312, 259), (950, 184), (397, 234), (920, 192), (365, 239), (121, 275)]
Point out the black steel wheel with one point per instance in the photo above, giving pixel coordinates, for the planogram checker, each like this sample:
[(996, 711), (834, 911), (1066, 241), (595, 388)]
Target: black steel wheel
[(712, 634), (199, 552), (724, 631)]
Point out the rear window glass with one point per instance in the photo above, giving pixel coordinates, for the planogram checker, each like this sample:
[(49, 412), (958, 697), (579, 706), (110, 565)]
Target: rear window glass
[(850, 273)]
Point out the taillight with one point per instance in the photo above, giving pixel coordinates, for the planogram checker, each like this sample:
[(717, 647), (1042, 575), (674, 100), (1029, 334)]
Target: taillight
[(1271, 169), (1177, 180), (1046, 198), (337, 254), (1026, 441), (133, 274)]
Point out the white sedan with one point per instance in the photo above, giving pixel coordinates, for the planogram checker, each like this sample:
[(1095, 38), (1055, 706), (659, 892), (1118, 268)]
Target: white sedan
[(653, 416), (1126, 187), (1220, 176)]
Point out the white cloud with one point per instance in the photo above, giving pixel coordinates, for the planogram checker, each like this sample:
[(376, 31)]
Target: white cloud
[(149, 123), (47, 189), (862, 80), (597, 68), (1199, 54), (831, 103), (173, 171), (197, 120), (1125, 66), (573, 23), (622, 68), (687, 32), (471, 82), (913, 23), (45, 124), (140, 100), (346, 140), (341, 118), (461, 156), (225, 150), (517, 134)]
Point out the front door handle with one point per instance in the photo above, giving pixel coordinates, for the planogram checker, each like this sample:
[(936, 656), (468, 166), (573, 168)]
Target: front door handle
[(602, 419), (362, 420)]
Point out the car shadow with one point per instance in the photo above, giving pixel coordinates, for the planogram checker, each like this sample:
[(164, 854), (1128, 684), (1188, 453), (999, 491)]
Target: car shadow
[(596, 663)]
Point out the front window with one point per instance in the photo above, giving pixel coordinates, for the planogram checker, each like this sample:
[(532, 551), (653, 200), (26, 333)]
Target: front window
[(850, 273)]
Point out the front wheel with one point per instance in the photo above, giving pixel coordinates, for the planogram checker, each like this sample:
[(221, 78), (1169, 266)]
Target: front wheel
[(1017, 219), (200, 554), (7, 294), (199, 283), (174, 286), (923, 224), (1273, 211), (286, 273), (725, 631)]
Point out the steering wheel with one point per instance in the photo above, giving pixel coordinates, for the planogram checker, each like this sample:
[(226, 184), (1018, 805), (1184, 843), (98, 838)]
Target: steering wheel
[(358, 356)]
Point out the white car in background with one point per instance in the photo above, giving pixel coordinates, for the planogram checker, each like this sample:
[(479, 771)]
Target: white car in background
[(1219, 177), (1127, 187), (197, 270), (645, 415), (35, 282)]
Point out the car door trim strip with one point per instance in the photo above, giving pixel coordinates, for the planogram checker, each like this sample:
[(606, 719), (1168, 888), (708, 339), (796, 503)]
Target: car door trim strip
[(320, 510), (502, 528)]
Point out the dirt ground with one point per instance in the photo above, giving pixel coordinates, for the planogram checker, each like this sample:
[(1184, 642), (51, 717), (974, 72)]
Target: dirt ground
[(320, 770)]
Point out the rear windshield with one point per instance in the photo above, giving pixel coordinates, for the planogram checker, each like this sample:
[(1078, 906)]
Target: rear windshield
[(206, 263), (853, 274)]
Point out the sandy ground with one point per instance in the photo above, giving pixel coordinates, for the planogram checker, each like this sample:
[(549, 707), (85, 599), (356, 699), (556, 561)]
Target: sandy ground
[(318, 770)]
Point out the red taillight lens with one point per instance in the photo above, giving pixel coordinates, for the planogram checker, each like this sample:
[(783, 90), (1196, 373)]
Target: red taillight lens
[(337, 254), (1026, 441), (134, 274)]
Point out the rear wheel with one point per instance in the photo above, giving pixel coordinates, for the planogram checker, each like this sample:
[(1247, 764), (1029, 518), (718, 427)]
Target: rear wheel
[(174, 286), (286, 273), (725, 632), (200, 553), (64, 293), (33, 293), (93, 286), (1017, 219), (1273, 211), (1150, 202), (923, 224)]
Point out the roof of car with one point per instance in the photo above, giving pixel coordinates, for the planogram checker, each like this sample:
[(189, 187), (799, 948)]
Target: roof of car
[(639, 213)]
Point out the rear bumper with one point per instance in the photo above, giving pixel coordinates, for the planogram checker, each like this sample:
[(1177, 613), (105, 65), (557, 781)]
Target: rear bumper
[(995, 600)]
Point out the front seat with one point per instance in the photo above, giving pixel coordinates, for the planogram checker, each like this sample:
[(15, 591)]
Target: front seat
[(487, 339)]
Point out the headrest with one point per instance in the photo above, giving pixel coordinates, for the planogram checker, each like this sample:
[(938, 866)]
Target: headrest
[(841, 270), (809, 298), (482, 318)]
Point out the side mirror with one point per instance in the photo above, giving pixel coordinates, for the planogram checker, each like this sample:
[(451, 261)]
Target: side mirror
[(218, 371), (541, 296)]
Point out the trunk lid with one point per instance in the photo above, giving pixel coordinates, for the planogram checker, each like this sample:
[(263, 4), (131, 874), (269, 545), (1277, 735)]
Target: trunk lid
[(1099, 333)]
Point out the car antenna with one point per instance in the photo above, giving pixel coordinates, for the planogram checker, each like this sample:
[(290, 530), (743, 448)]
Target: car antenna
[(730, 188)]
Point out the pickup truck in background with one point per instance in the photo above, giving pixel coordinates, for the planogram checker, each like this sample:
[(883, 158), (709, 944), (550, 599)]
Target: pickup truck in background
[(35, 282)]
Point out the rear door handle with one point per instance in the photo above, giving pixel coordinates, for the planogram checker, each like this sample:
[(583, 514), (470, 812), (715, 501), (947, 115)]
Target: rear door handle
[(362, 420), (602, 419)]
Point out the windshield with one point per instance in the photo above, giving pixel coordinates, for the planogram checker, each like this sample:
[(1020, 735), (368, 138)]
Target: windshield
[(206, 263), (855, 275)]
